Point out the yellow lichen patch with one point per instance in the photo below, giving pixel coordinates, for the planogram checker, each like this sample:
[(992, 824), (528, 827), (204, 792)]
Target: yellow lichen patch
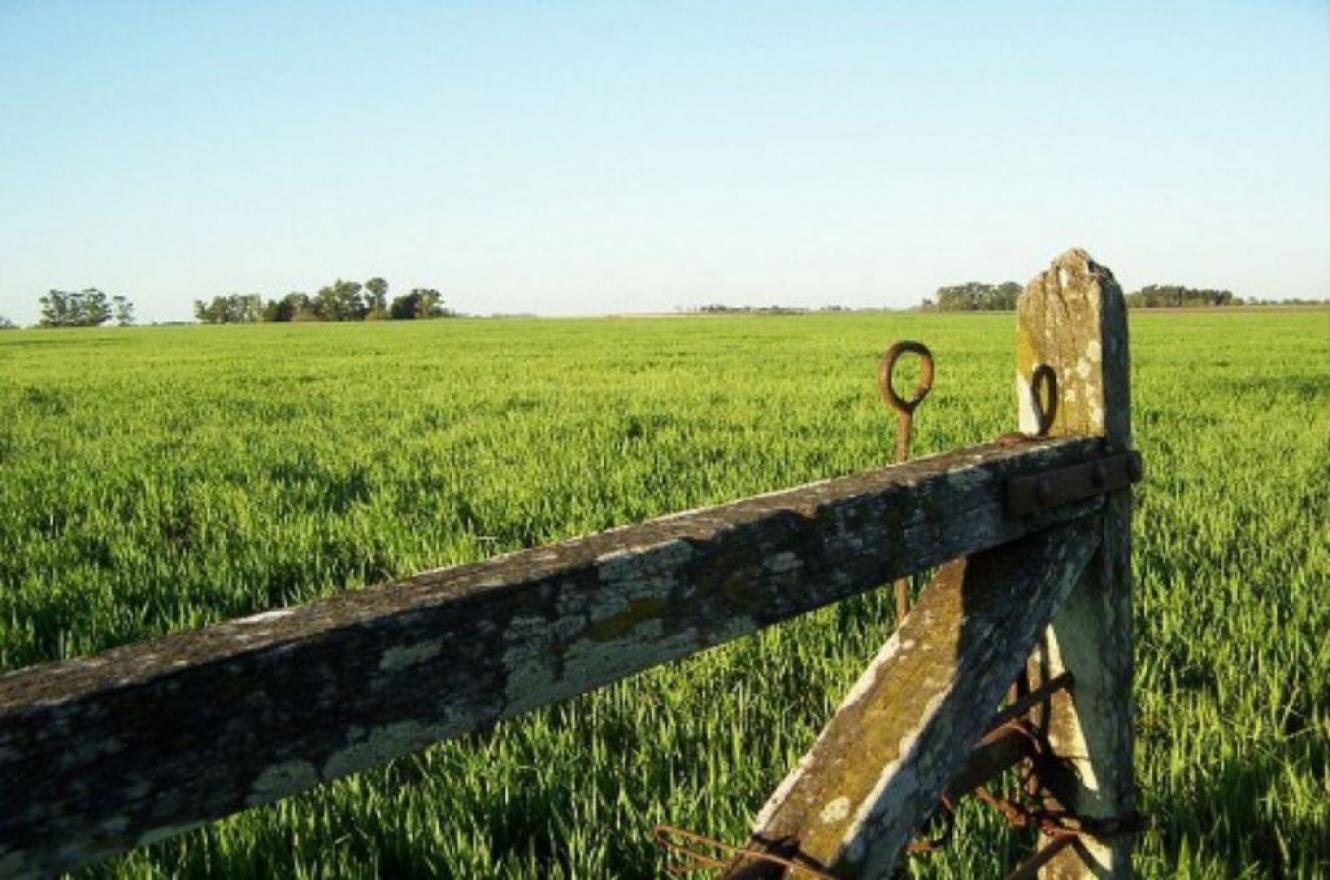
[(638, 611)]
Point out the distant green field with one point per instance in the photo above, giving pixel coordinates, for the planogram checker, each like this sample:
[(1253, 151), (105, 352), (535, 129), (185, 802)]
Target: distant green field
[(158, 479)]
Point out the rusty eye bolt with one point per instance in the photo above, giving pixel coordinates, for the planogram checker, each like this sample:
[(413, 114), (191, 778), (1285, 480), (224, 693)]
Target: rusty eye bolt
[(905, 408), (905, 423), (1044, 396)]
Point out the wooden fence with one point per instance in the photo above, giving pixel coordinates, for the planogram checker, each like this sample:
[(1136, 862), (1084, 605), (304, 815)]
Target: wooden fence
[(129, 747)]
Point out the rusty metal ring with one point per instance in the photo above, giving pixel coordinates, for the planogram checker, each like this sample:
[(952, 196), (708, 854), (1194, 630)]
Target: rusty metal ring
[(888, 366), (1044, 382)]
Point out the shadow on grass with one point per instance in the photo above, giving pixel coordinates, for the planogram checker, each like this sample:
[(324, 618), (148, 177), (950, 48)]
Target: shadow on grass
[(1237, 815)]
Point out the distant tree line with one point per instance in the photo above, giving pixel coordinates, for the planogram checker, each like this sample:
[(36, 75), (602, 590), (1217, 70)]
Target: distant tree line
[(89, 307), (338, 301), (975, 296), (6, 324), (1287, 301), (1172, 296), (722, 309)]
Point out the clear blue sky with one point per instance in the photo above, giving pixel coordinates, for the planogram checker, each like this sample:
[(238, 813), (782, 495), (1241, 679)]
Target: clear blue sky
[(576, 157)]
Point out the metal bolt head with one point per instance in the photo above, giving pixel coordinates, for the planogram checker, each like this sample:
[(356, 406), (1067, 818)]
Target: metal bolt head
[(1135, 467)]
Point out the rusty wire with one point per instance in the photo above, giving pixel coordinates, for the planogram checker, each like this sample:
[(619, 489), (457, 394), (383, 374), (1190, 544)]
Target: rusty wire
[(1029, 869), (1028, 809), (1031, 806), (680, 841), (1023, 701), (1062, 827), (1058, 823), (904, 423)]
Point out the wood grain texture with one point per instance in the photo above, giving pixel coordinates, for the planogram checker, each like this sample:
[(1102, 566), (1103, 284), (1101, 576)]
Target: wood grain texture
[(909, 724), (101, 754), (1073, 317)]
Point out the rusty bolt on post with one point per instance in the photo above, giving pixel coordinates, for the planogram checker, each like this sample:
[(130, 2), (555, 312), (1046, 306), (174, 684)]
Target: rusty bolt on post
[(904, 423), (1044, 403), (1044, 395)]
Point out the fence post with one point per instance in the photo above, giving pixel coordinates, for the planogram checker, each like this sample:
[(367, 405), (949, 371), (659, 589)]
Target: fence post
[(1073, 318)]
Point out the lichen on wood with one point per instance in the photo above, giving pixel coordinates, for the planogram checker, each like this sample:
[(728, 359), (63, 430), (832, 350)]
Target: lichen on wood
[(905, 728), (102, 753)]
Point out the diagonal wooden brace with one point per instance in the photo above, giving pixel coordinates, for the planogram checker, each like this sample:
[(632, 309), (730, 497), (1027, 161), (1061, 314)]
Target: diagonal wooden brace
[(911, 721)]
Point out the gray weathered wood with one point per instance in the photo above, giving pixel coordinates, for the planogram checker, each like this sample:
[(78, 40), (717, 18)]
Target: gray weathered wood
[(1073, 318), (908, 725), (142, 742)]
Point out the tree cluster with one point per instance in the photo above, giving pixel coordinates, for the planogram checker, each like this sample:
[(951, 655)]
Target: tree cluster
[(975, 296), (723, 309), (235, 308), (6, 324), (89, 307), (1165, 296), (1286, 301), (339, 301)]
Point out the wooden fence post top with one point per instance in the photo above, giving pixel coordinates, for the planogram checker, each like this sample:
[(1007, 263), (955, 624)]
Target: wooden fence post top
[(1073, 317)]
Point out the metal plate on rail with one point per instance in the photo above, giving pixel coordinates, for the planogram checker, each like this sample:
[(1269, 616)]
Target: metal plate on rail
[(1035, 493)]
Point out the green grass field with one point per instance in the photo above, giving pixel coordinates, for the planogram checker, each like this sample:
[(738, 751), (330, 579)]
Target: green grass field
[(158, 479)]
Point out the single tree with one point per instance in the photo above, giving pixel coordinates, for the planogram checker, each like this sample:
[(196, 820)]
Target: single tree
[(420, 304), (340, 301), (403, 308), (431, 304), (124, 311), (211, 312), (96, 308), (285, 309), (56, 309), (378, 298)]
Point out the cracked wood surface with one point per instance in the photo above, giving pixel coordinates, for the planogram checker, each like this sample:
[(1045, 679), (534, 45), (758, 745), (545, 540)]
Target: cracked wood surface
[(131, 746), (913, 718), (1073, 318)]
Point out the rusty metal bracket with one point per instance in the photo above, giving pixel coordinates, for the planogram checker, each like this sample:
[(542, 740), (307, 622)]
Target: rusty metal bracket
[(1034, 493)]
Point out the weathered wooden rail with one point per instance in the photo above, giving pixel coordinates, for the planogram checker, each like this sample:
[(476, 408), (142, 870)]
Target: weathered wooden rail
[(131, 746)]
